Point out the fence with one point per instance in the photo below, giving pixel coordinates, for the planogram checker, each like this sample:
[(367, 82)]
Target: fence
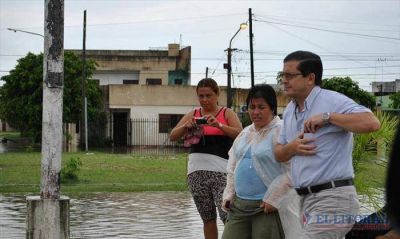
[(141, 132), (152, 132)]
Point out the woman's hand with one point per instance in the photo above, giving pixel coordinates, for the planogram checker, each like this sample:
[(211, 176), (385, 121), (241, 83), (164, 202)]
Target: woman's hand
[(268, 208), (190, 124), (180, 129), (226, 205), (212, 121)]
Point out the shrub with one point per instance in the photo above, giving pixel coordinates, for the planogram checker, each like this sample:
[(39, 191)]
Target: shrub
[(69, 173), (366, 145), (373, 146)]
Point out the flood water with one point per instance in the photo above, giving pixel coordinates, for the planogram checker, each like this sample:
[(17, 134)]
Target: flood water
[(12, 146), (141, 215), (115, 215), (118, 215)]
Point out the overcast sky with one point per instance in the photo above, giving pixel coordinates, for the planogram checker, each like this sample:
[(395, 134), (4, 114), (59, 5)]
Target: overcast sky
[(360, 39)]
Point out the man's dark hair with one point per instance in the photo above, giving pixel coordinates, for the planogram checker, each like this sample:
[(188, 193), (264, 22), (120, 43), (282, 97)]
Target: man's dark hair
[(267, 93), (308, 63)]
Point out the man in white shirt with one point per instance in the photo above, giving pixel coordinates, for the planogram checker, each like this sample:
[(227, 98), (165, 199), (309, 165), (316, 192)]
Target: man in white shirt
[(317, 139)]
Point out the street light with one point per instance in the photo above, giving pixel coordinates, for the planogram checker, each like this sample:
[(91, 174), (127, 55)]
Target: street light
[(17, 30), (228, 66)]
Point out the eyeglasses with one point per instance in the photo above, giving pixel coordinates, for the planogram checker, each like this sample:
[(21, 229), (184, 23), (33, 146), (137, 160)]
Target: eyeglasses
[(289, 76)]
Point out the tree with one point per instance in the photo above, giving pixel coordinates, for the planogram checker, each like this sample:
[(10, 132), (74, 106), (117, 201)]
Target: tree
[(21, 96), (395, 98), (350, 88)]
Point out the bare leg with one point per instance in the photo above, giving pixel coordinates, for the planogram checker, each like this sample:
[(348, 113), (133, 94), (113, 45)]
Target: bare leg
[(211, 229)]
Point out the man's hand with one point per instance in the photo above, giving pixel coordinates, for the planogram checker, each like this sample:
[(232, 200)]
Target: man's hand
[(303, 146), (314, 123), (356, 122), (298, 146)]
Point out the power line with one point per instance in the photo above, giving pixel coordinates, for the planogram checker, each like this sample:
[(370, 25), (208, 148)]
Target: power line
[(280, 59), (327, 30), (325, 69), (330, 55), (329, 21), (146, 21), (312, 43), (327, 53), (397, 58), (244, 74), (312, 24)]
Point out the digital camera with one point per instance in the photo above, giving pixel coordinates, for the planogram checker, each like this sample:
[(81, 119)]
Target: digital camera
[(200, 120)]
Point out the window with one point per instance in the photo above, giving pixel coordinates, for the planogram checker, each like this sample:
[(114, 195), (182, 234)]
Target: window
[(167, 122), (130, 82), (153, 81), (178, 81)]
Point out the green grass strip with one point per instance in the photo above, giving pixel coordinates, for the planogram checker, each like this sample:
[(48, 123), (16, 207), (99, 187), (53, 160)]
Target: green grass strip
[(100, 172)]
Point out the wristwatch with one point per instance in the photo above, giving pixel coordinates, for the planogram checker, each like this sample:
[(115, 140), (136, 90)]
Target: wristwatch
[(325, 117)]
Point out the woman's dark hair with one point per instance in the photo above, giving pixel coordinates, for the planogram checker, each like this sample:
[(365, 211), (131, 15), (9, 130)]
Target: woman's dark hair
[(308, 63), (208, 82), (267, 93)]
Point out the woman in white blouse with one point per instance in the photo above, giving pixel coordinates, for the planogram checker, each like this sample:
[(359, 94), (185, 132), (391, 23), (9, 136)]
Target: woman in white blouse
[(251, 170)]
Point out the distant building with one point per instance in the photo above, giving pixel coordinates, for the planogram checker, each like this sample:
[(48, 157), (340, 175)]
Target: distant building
[(385, 87), (131, 106), (382, 90), (138, 84), (170, 66), (147, 92)]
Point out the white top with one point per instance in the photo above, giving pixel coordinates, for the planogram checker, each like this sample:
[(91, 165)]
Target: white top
[(207, 162)]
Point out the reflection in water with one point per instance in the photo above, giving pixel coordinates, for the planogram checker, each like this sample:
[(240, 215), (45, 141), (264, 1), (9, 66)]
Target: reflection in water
[(121, 215), (12, 216), (116, 215), (20, 146)]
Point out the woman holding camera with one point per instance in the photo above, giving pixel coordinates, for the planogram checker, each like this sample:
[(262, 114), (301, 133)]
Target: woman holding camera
[(208, 158)]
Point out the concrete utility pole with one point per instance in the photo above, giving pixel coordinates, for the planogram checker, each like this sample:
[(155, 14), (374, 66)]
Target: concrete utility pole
[(48, 215), (53, 77)]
